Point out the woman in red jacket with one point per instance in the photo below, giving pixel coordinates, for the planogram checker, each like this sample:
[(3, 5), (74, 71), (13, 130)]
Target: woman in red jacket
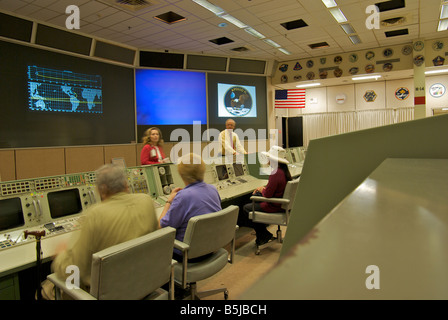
[(152, 151)]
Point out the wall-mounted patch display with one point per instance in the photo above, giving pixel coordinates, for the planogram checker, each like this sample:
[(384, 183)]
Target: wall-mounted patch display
[(283, 67), (419, 60), (337, 59), (402, 93), (406, 50), (337, 72), (323, 60), (437, 90), (310, 75), (353, 70), (370, 68), (298, 66), (387, 67), (419, 45), (297, 78), (323, 74), (284, 79), (310, 63), (438, 61), (370, 55), (388, 52), (370, 96), (353, 57), (437, 45)]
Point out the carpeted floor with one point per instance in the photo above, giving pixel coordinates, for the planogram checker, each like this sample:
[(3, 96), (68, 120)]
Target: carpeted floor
[(247, 267)]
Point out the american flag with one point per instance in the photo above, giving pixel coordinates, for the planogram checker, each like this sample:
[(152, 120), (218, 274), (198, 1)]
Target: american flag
[(293, 98)]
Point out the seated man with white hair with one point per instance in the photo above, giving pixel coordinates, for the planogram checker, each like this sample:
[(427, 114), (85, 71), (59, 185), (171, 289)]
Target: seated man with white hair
[(119, 217)]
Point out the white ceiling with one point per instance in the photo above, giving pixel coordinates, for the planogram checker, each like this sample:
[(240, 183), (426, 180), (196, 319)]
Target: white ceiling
[(140, 30)]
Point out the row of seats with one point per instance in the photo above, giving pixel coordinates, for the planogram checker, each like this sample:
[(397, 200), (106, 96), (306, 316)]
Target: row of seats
[(137, 269)]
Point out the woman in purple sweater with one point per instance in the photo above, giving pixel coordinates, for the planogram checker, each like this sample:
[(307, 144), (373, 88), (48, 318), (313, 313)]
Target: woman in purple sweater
[(274, 189)]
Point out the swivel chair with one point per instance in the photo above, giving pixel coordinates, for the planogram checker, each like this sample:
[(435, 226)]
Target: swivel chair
[(132, 270), (280, 218), (206, 234)]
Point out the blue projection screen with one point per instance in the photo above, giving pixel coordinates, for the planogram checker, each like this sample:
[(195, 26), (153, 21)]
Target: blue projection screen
[(166, 97)]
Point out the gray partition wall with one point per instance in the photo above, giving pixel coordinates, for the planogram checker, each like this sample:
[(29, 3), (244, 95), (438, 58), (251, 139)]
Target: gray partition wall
[(336, 165)]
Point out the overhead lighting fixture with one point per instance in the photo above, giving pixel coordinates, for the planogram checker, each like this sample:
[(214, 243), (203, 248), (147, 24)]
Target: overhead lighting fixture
[(354, 39), (329, 3), (272, 43), (347, 27), (233, 21), (443, 25), (444, 11), (376, 77), (284, 51), (211, 7), (255, 33), (338, 15), (436, 71), (307, 85)]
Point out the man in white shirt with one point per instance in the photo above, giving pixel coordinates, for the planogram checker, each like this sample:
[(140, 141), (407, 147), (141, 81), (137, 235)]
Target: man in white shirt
[(230, 143)]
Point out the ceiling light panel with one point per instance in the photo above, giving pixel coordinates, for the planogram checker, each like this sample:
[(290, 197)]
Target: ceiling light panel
[(329, 3), (211, 7), (338, 15), (234, 21)]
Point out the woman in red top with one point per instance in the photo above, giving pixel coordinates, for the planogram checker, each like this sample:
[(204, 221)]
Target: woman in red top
[(274, 189), (152, 151)]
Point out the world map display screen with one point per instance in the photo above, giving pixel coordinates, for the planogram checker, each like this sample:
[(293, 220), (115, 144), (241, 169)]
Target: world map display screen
[(64, 91)]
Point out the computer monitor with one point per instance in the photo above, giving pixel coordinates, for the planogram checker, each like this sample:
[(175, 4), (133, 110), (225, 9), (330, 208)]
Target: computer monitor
[(221, 170), (11, 213), (293, 156), (64, 203), (238, 169)]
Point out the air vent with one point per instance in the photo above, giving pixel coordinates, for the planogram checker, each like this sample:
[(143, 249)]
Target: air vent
[(220, 41), (240, 49), (130, 5), (396, 33), (390, 5), (294, 24), (319, 45), (392, 22), (170, 17)]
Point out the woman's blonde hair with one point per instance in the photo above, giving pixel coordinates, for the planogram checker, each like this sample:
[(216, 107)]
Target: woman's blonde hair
[(191, 168), (147, 136)]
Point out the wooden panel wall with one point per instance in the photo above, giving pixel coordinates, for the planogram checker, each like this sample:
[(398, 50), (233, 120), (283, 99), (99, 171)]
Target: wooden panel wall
[(34, 163)]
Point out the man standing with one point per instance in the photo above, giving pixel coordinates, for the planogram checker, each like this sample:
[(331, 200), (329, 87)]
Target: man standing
[(230, 143)]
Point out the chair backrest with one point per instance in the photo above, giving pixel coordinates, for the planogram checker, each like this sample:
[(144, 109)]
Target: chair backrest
[(290, 193), (209, 232), (133, 269)]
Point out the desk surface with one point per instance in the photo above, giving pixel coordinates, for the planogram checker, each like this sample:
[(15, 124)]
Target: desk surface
[(397, 220)]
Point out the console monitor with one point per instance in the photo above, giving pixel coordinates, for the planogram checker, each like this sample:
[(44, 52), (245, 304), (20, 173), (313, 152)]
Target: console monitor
[(238, 169), (11, 214), (293, 156), (221, 170), (64, 203)]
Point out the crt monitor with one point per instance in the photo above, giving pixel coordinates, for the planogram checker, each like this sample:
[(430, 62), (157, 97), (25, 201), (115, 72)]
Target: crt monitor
[(11, 213), (64, 203), (238, 169), (221, 170)]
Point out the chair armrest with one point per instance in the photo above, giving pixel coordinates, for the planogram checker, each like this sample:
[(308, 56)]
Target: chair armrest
[(77, 294), (184, 248), (181, 245), (271, 200)]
